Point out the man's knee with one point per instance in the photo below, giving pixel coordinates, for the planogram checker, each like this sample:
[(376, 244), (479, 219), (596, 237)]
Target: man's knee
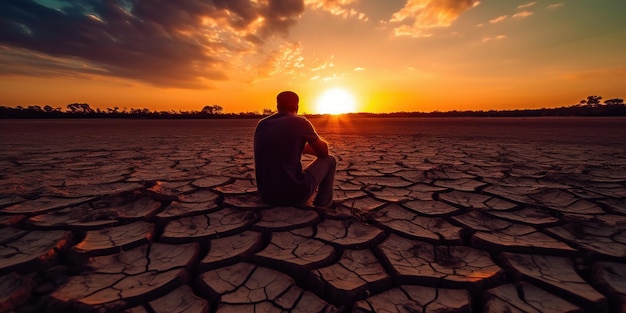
[(331, 160)]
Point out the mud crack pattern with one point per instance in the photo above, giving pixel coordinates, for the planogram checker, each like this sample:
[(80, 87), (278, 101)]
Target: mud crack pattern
[(419, 224)]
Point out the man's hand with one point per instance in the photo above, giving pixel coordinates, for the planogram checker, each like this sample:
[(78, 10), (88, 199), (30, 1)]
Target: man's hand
[(319, 148)]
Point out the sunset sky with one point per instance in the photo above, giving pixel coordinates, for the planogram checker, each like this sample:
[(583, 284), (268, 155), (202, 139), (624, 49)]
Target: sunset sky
[(391, 55)]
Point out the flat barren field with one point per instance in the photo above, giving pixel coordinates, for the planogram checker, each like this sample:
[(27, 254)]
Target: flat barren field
[(430, 215)]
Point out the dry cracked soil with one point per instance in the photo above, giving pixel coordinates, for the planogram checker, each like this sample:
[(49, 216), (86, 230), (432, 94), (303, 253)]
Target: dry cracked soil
[(163, 216)]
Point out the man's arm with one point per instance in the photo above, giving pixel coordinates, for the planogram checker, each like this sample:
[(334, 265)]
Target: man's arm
[(318, 148)]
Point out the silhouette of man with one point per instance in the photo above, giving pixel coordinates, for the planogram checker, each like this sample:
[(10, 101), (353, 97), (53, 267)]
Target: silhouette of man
[(279, 142)]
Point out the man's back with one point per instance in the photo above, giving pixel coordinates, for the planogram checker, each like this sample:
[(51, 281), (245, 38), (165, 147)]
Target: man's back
[(278, 143)]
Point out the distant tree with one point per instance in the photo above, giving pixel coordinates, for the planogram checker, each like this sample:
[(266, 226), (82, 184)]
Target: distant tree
[(114, 110), (212, 109), (86, 108), (35, 108), (614, 101), (268, 112), (49, 109), (593, 101), (82, 108), (144, 111)]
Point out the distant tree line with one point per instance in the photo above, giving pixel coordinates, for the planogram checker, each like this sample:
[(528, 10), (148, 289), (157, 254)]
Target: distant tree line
[(84, 110), (591, 106)]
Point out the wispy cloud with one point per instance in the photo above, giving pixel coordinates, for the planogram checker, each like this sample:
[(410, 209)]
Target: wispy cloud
[(287, 59), (555, 6), (498, 37), (166, 43), (498, 19), (418, 17), (325, 65), (526, 5), (337, 7), (19, 61), (522, 14), (325, 70), (504, 17)]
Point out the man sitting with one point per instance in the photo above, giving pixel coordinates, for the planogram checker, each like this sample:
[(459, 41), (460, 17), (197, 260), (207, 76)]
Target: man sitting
[(279, 142)]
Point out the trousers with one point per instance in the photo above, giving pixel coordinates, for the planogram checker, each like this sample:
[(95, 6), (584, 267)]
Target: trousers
[(322, 171)]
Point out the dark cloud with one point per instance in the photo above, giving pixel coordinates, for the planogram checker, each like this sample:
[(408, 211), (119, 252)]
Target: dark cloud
[(282, 14), (179, 43), (22, 62)]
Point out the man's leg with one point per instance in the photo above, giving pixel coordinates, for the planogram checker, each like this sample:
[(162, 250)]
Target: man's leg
[(323, 171)]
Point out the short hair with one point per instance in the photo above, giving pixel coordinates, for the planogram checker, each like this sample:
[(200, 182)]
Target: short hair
[(287, 101)]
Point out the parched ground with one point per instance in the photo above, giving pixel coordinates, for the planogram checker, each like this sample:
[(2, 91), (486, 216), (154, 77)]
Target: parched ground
[(163, 216)]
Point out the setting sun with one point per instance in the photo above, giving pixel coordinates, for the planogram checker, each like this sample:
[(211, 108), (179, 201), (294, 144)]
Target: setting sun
[(335, 101)]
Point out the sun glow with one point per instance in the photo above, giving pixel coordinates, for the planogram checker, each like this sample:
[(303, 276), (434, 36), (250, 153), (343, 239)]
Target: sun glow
[(335, 101)]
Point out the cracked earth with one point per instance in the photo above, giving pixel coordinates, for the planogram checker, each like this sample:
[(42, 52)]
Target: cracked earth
[(451, 215)]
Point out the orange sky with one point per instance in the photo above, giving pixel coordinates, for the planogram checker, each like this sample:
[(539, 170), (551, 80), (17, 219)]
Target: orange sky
[(398, 55)]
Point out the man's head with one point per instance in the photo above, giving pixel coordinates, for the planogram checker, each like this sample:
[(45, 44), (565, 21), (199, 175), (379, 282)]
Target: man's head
[(287, 102)]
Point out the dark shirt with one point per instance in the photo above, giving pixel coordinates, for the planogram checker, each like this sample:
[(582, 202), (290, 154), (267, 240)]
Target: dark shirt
[(278, 143)]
